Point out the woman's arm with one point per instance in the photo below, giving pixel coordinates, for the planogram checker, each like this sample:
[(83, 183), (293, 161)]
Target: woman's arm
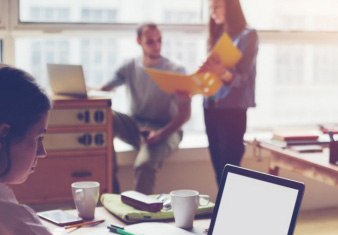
[(237, 76), (248, 45)]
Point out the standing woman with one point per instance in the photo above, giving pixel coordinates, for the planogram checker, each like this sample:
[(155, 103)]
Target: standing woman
[(24, 109), (225, 113)]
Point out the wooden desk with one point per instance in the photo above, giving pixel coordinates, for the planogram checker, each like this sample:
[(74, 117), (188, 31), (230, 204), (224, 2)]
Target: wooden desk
[(102, 213), (313, 165)]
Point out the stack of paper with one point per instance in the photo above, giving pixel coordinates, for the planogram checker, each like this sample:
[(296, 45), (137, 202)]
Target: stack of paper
[(153, 228)]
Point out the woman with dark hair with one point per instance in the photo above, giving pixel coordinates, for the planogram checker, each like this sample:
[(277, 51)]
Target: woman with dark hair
[(225, 113), (24, 110)]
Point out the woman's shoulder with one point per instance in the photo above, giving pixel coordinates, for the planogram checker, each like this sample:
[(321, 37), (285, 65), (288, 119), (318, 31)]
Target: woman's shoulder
[(249, 32), (248, 38), (12, 210), (11, 216), (15, 217)]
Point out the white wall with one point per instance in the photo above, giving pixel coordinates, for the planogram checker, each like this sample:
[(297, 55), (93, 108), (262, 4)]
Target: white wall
[(191, 169)]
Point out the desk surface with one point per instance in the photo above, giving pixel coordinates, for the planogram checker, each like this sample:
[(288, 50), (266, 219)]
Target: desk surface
[(312, 165), (102, 213), (309, 223)]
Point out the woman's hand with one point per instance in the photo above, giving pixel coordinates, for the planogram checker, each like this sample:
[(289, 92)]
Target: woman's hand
[(215, 65), (183, 95)]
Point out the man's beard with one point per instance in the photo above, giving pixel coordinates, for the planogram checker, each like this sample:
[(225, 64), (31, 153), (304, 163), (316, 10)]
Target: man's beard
[(153, 57)]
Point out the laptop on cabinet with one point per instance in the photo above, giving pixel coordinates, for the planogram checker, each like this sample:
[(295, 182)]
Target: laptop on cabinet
[(66, 79)]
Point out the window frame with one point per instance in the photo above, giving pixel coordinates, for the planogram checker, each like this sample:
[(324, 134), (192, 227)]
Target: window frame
[(1, 12), (266, 36), (16, 25), (5, 32), (11, 28), (3, 15)]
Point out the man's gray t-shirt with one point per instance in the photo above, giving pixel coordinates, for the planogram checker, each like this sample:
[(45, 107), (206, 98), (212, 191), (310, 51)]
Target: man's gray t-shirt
[(148, 102)]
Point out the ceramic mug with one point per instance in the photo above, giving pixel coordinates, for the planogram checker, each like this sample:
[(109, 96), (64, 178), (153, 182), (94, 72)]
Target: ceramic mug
[(185, 203), (86, 195)]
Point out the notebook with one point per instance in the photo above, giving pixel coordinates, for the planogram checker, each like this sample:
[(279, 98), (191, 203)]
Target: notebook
[(250, 202), (307, 148), (69, 80)]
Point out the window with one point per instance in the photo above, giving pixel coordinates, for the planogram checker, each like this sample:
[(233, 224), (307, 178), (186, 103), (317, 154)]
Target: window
[(296, 64), (292, 15), (296, 84), (100, 55), (49, 14), (296, 72), (111, 11), (98, 15)]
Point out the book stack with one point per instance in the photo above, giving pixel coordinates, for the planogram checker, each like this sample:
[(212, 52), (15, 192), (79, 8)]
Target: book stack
[(326, 130), (290, 139)]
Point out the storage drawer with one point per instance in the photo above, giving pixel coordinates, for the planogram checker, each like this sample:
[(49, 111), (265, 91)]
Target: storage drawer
[(75, 141), (53, 178), (75, 117)]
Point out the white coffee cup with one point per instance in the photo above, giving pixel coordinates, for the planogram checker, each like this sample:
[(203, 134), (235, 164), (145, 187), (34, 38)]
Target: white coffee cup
[(185, 203), (86, 195)]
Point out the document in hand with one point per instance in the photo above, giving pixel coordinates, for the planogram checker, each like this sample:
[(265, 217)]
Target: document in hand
[(206, 84)]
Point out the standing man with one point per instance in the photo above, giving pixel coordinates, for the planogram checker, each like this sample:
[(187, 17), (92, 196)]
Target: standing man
[(154, 123)]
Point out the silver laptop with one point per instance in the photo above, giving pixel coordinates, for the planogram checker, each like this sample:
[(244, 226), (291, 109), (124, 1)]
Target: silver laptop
[(67, 80), (251, 202)]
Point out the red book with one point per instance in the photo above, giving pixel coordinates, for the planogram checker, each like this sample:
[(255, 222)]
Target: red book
[(295, 135), (333, 130)]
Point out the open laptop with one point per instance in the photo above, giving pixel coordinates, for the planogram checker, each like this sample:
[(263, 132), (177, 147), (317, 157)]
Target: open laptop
[(67, 79), (250, 202)]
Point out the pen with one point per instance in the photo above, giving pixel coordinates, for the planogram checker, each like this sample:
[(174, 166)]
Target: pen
[(119, 231), (84, 224), (116, 226)]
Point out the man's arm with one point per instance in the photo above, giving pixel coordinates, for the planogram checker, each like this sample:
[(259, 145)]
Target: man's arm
[(118, 79), (183, 115), (106, 87)]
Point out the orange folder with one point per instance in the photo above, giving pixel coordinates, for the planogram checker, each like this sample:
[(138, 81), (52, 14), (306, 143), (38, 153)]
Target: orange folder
[(206, 84)]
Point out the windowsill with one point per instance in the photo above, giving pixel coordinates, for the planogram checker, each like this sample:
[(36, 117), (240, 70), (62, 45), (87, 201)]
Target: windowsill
[(190, 141), (196, 140), (199, 140), (193, 148)]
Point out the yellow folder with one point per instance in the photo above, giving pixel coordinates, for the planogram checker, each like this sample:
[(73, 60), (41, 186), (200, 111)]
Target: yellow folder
[(206, 84)]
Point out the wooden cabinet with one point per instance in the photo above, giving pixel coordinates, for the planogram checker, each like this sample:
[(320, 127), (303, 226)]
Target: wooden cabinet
[(79, 148)]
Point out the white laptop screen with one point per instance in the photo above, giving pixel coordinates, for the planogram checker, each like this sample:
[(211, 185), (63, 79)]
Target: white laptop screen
[(252, 206)]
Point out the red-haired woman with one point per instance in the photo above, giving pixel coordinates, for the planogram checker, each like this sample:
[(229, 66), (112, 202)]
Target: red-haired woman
[(225, 112)]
